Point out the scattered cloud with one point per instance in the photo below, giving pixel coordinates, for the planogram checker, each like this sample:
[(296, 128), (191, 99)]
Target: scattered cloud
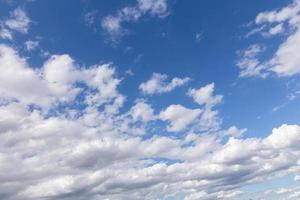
[(205, 96), (249, 62), (31, 45), (113, 24), (90, 17), (179, 117), (285, 61), (141, 111), (18, 21), (5, 34), (158, 84), (199, 36)]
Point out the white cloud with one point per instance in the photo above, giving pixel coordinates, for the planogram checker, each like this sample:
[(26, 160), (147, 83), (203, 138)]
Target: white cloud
[(158, 84), (179, 117), (249, 63), (285, 61), (18, 21), (113, 24), (86, 149), (31, 45), (284, 136), (5, 34), (205, 96), (297, 178), (142, 111), (54, 82)]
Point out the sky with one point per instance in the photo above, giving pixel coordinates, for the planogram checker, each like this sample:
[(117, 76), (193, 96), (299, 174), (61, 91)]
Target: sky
[(149, 99)]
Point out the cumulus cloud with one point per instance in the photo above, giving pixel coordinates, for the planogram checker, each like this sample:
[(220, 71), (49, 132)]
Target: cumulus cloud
[(63, 135), (178, 116), (285, 61), (158, 84), (18, 21), (205, 96), (31, 45), (113, 24), (5, 34), (142, 111), (54, 82)]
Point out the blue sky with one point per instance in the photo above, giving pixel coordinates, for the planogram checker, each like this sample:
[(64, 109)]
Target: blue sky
[(169, 99)]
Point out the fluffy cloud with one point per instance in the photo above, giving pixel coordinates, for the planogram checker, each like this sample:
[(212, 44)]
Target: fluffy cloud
[(5, 34), (31, 45), (285, 61), (205, 96), (178, 116), (18, 21), (54, 82), (80, 145), (113, 24), (142, 111), (157, 84)]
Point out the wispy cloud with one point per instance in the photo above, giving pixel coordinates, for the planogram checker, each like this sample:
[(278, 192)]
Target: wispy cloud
[(113, 24)]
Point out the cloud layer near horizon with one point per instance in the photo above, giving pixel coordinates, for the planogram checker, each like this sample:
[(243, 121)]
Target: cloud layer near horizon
[(55, 145)]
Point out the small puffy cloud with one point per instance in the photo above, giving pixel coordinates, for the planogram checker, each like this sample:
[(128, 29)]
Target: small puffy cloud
[(18, 21), (179, 117), (5, 34), (158, 84), (31, 45), (297, 178), (205, 95), (113, 24), (142, 111), (199, 36), (90, 17)]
